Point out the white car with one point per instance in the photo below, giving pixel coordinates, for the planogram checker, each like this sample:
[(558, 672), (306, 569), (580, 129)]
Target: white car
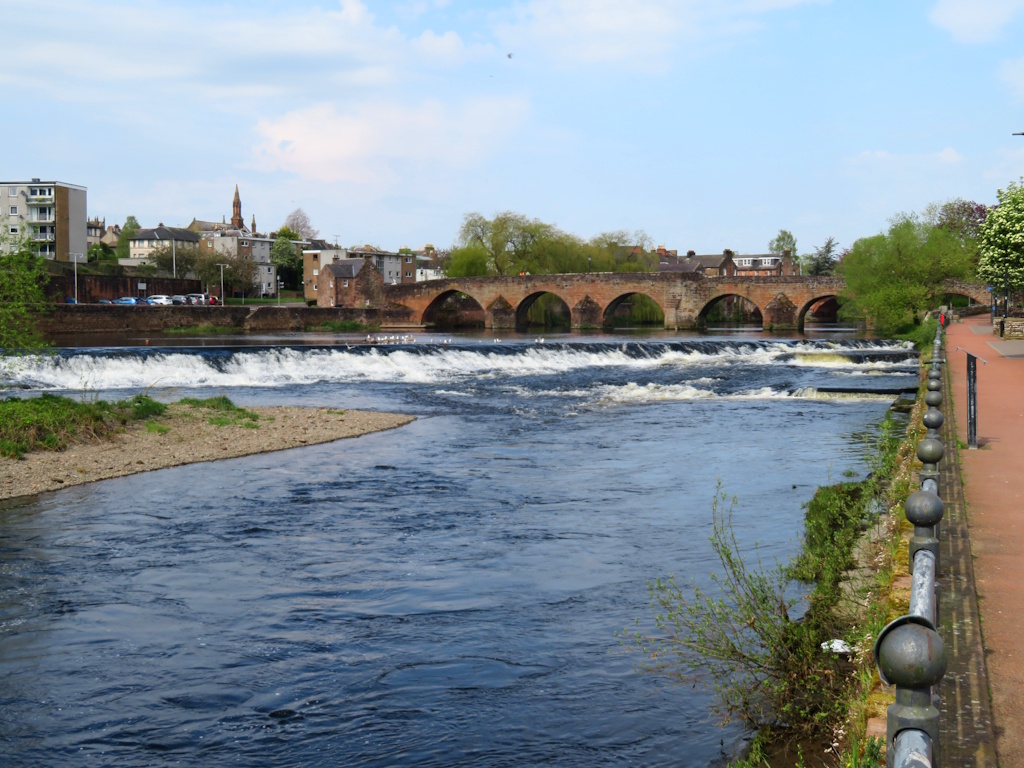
[(197, 298), (159, 299)]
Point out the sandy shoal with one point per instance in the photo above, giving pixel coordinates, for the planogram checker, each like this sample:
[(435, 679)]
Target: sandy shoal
[(189, 438)]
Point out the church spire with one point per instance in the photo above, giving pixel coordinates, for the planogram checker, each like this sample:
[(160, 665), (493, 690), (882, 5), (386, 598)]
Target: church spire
[(236, 211), (252, 229)]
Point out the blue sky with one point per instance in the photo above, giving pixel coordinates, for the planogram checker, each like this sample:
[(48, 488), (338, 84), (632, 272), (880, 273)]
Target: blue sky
[(708, 124)]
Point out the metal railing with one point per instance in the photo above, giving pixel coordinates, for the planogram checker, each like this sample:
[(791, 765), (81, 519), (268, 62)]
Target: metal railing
[(909, 652)]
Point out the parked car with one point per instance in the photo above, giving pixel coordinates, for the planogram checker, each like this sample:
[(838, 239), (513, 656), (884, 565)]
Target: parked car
[(179, 300), (197, 298), (126, 300), (158, 299), (213, 300), (104, 301)]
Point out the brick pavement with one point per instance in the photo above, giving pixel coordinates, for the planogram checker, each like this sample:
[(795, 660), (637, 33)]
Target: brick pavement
[(983, 524)]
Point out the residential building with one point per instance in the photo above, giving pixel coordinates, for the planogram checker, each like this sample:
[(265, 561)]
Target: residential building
[(711, 265), (94, 231), (349, 283), (394, 268), (51, 214), (766, 265), (234, 240), (145, 241)]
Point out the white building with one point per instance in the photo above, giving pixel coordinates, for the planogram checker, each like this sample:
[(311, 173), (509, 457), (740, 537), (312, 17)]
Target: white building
[(51, 213)]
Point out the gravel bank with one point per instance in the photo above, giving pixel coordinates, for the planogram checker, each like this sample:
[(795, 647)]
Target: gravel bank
[(189, 438)]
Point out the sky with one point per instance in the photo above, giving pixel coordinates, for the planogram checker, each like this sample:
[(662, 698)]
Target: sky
[(708, 124)]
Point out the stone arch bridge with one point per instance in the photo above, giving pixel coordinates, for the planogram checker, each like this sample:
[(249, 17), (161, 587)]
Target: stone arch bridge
[(592, 298)]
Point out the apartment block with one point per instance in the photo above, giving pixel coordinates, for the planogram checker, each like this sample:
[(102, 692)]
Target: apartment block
[(51, 214)]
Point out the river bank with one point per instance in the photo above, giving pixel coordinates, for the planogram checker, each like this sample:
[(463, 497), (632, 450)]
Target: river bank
[(185, 436)]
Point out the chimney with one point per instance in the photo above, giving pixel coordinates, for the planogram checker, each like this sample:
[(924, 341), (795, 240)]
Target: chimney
[(690, 254)]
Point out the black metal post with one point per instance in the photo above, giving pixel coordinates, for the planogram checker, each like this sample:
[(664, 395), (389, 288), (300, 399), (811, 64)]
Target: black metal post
[(972, 401)]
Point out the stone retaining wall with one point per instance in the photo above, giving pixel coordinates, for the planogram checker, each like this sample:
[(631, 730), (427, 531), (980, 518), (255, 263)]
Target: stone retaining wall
[(102, 318)]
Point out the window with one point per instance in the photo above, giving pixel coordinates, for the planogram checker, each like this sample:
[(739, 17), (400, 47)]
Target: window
[(408, 274), (12, 191), (316, 272), (14, 210), (13, 230), (408, 259), (332, 284), (315, 286), (344, 284)]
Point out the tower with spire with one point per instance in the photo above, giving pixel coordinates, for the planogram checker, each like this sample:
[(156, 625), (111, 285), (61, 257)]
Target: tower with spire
[(236, 211)]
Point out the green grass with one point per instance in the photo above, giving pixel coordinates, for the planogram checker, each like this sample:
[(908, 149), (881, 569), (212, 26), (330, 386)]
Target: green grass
[(52, 423), (226, 412), (207, 329), (342, 326), (156, 428)]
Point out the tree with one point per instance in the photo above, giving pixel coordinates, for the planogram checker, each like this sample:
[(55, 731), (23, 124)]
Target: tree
[(288, 259), (963, 218), (510, 240), (823, 260), (467, 261), (298, 221), (1001, 252), (101, 252), (23, 278), (782, 241), (180, 259), (128, 231), (893, 277)]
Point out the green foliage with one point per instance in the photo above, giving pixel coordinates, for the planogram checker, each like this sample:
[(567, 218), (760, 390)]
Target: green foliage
[(180, 259), (342, 326), (1002, 239), (512, 244), (470, 260), (156, 428), (51, 422), (288, 259), (128, 231), (101, 252), (892, 278), (833, 521), (227, 412), (206, 329), (823, 260), (782, 241), (922, 335), (23, 276)]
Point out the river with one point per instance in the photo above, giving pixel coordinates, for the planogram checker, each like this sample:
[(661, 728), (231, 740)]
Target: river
[(445, 594)]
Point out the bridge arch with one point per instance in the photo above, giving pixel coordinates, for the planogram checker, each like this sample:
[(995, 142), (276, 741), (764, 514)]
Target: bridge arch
[(726, 305), (648, 307), (548, 309), (454, 309), (810, 304)]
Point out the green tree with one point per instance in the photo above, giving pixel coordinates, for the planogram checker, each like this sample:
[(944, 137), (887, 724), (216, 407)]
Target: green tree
[(893, 277), (467, 261), (287, 257), (782, 241), (23, 279), (1001, 252), (128, 231), (101, 252), (510, 240), (823, 260), (180, 259)]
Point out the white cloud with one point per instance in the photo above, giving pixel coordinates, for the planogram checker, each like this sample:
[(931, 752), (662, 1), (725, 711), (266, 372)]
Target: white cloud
[(639, 35), (974, 21), (381, 145), (949, 156)]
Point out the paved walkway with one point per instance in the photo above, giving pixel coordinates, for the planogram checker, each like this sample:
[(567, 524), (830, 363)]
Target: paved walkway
[(993, 489)]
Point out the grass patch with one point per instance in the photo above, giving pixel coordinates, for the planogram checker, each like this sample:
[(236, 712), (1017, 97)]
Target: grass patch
[(343, 326), (206, 329), (52, 422), (227, 413), (155, 428)]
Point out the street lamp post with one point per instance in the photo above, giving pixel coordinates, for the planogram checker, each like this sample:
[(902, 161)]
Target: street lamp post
[(222, 283), (280, 284)]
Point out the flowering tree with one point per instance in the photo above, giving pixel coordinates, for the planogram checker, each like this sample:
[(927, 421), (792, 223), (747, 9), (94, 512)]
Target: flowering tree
[(1002, 239)]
